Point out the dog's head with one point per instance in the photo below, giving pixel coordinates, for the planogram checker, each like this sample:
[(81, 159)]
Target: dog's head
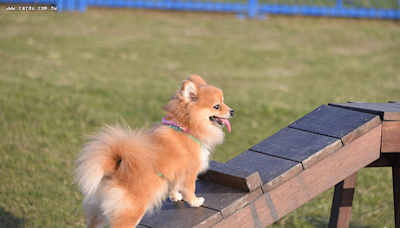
[(200, 108)]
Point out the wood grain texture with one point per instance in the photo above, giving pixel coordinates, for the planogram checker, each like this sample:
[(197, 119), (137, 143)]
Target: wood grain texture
[(297, 145), (336, 122), (390, 137), (387, 111), (311, 182), (273, 171), (227, 175)]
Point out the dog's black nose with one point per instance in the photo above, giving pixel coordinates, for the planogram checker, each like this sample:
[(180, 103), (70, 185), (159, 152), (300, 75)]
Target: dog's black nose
[(232, 112)]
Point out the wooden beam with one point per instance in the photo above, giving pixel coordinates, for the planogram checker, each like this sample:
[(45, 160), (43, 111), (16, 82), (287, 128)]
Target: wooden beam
[(390, 137), (343, 202), (273, 170), (230, 176), (309, 183)]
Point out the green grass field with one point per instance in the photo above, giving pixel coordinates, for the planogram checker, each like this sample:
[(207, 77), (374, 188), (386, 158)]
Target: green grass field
[(64, 75)]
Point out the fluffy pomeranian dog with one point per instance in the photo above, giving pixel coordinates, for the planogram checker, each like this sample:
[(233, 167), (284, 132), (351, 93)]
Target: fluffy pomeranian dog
[(124, 173)]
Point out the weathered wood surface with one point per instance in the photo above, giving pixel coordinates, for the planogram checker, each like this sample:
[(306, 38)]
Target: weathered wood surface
[(309, 183), (289, 168), (340, 123), (387, 111), (298, 146), (342, 202)]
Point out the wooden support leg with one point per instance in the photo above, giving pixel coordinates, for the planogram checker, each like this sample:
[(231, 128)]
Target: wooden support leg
[(342, 202), (396, 194)]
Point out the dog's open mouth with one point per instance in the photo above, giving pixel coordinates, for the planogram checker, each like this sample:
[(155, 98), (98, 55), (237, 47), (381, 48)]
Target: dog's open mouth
[(221, 122)]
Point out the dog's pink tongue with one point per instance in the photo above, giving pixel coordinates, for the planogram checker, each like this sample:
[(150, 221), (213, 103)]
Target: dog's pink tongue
[(226, 122)]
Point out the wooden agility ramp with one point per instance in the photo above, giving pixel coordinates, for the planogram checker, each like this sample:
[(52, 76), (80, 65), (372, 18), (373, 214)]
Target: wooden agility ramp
[(324, 148)]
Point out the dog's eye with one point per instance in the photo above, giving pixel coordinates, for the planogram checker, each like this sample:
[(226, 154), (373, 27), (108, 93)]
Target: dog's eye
[(216, 107)]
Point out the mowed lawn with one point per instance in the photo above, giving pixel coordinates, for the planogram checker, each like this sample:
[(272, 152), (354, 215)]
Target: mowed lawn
[(64, 75)]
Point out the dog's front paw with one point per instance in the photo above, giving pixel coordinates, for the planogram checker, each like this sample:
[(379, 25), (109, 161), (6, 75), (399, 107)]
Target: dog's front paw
[(197, 202), (175, 196)]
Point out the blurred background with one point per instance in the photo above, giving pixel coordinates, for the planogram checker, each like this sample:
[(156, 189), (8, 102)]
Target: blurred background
[(64, 75)]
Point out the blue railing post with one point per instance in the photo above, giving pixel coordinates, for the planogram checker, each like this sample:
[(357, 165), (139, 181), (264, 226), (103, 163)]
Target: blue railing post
[(252, 9), (60, 5), (82, 5), (339, 7)]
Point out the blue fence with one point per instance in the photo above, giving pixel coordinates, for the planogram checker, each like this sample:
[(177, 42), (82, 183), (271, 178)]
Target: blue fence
[(385, 9)]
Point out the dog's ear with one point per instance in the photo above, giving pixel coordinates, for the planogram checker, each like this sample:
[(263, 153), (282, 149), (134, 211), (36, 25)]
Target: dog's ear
[(197, 79), (189, 90)]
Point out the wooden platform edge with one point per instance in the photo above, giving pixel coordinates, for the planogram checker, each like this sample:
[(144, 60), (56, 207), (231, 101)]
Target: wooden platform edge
[(391, 137), (226, 175), (386, 111), (308, 184)]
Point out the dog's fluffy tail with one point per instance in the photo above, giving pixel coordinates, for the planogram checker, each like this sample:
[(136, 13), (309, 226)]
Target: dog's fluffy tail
[(116, 152)]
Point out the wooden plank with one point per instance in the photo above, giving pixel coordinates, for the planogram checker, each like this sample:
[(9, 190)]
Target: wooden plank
[(224, 199), (340, 123), (273, 171), (227, 175), (342, 202), (300, 146), (311, 182), (387, 111), (180, 215), (390, 136)]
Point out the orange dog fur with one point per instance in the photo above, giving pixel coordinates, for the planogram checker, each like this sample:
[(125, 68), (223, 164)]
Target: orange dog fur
[(119, 169)]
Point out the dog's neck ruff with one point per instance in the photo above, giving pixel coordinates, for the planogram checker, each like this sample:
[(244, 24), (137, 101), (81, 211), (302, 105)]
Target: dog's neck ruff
[(176, 127)]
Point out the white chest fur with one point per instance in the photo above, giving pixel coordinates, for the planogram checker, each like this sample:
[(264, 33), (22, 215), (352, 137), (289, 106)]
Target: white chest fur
[(204, 159)]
